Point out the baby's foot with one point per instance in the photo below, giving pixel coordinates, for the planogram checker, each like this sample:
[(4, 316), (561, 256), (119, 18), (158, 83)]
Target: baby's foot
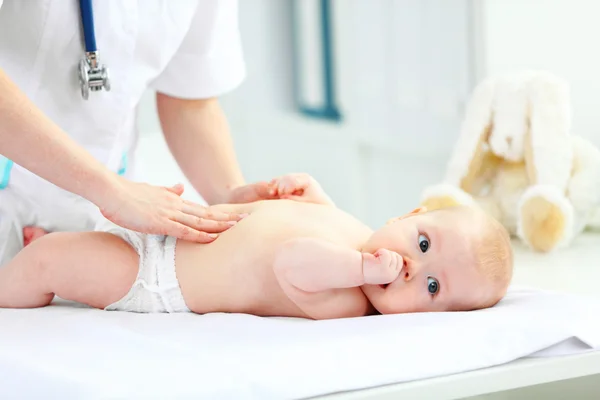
[(31, 233), (382, 267)]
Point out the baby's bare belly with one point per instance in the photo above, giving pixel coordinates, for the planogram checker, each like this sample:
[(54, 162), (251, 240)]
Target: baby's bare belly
[(238, 281), (235, 274)]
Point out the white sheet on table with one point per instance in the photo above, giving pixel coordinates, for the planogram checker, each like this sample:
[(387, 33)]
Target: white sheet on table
[(65, 351)]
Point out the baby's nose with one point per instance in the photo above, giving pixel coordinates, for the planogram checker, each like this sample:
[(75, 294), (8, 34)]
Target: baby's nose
[(408, 269)]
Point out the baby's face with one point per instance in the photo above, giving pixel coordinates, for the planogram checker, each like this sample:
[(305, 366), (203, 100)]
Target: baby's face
[(439, 272)]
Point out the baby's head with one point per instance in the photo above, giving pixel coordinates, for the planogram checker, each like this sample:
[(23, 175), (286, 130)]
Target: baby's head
[(455, 259)]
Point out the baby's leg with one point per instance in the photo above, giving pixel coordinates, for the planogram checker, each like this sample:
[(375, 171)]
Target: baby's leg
[(93, 268)]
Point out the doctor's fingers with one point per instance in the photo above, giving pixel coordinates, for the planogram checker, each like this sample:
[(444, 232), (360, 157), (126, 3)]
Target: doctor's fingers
[(183, 232), (207, 213), (204, 224)]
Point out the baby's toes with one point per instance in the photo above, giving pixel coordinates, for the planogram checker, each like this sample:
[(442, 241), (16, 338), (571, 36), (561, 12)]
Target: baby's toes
[(31, 234)]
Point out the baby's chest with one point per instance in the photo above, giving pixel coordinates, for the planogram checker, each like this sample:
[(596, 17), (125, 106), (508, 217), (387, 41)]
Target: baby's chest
[(255, 241)]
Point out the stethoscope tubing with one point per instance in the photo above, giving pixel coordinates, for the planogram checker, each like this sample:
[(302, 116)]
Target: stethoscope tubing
[(87, 20)]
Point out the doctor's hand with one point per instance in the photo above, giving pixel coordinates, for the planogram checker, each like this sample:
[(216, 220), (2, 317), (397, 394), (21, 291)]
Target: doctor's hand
[(299, 187), (160, 210), (250, 193)]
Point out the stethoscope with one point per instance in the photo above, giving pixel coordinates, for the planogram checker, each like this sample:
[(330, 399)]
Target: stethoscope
[(92, 74)]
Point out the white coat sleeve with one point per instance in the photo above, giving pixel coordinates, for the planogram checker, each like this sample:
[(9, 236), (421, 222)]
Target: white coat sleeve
[(210, 60)]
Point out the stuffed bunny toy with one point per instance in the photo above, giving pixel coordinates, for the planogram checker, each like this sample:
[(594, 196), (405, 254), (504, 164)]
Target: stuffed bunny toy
[(517, 159)]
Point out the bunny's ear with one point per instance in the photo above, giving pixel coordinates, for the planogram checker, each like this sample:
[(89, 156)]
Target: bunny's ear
[(548, 150), (469, 154)]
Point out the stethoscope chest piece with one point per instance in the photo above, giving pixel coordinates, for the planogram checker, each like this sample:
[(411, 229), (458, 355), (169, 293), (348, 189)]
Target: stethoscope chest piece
[(93, 76)]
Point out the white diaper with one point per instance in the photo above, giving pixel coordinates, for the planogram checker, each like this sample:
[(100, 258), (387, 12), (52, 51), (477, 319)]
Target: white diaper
[(156, 288)]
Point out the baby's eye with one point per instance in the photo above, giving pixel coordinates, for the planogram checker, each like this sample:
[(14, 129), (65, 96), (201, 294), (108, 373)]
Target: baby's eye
[(423, 243), (433, 285)]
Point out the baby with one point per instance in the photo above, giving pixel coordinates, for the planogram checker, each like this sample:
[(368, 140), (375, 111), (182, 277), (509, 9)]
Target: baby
[(297, 256)]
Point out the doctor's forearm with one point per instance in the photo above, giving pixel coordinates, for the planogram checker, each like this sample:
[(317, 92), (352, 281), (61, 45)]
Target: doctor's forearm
[(32, 140), (197, 134)]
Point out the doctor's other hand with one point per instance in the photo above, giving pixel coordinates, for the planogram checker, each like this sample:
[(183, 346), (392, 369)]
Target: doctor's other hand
[(161, 211), (250, 193), (298, 187)]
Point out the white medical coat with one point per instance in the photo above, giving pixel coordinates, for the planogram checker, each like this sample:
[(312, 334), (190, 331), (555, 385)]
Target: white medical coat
[(183, 48)]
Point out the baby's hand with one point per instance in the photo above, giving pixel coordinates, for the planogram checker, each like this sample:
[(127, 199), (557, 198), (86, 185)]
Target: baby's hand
[(382, 267)]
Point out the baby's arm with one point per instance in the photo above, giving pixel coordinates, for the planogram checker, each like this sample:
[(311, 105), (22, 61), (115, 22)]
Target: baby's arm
[(323, 278), (93, 268)]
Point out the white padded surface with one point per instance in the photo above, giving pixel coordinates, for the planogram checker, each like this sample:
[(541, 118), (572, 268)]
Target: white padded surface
[(66, 351)]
